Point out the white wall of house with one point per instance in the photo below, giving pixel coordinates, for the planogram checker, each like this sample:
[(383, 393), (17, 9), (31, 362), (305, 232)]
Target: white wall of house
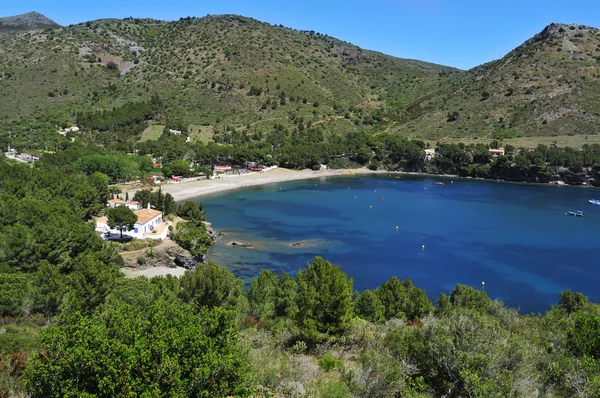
[(147, 227)]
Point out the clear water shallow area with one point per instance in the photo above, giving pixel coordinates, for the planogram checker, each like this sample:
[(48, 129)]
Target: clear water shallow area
[(514, 237)]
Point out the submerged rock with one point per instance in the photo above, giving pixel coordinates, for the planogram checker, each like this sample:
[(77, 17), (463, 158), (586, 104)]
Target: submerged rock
[(240, 244)]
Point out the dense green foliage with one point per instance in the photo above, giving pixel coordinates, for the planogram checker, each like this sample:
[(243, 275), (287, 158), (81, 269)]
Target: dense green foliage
[(324, 300), (117, 167), (192, 238), (128, 118), (209, 286), (161, 349)]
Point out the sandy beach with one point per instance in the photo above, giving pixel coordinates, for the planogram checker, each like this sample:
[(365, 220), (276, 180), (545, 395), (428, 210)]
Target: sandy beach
[(196, 189), (152, 272)]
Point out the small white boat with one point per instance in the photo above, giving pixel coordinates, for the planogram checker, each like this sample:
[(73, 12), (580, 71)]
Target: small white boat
[(595, 202), (577, 213)]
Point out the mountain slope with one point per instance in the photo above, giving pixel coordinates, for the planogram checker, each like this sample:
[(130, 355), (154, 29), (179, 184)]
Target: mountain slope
[(223, 70), (548, 86), (234, 72), (25, 22)]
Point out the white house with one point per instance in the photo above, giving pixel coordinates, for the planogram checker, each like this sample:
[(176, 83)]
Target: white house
[(133, 205), (148, 220), (429, 153), (149, 225), (497, 152), (68, 130)]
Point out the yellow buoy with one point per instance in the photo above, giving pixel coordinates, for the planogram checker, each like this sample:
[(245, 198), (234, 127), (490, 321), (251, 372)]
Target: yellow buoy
[(423, 247), (396, 227), (482, 284), (370, 207)]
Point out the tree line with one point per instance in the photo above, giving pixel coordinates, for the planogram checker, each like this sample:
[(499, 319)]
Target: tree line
[(128, 118), (308, 148)]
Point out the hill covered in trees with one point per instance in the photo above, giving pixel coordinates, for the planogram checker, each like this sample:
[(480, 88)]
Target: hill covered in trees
[(234, 72)]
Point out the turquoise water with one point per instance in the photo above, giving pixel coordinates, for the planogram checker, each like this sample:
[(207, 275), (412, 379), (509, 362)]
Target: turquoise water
[(515, 237)]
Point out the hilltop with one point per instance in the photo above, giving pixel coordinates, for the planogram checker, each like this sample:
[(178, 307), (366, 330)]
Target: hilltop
[(548, 86), (227, 71), (24, 22)]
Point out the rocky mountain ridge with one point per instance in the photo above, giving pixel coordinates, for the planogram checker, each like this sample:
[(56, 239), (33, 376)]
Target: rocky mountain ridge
[(25, 22)]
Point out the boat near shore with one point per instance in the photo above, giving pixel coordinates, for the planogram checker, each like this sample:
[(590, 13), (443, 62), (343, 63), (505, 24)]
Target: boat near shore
[(577, 213), (595, 202)]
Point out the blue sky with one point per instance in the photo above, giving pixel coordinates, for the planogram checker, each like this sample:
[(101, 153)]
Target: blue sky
[(459, 33)]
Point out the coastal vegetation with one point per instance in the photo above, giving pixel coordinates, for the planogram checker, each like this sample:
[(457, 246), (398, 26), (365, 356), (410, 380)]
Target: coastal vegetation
[(73, 325), (308, 149)]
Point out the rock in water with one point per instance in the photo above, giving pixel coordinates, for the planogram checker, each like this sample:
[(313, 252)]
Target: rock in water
[(240, 244)]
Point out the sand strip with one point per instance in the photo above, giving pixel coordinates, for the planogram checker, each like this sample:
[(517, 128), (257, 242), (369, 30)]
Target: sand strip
[(197, 189)]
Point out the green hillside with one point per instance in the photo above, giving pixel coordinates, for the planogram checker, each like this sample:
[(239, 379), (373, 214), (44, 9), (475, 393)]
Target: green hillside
[(227, 72), (221, 70)]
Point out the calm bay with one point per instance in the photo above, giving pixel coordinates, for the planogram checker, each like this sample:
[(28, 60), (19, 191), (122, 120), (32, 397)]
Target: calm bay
[(514, 237)]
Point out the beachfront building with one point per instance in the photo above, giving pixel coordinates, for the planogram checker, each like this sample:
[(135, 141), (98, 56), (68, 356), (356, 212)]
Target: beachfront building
[(149, 225), (497, 152)]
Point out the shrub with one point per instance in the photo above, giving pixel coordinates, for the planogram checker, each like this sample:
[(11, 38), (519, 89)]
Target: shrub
[(255, 91), (163, 349), (452, 117), (329, 363)]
